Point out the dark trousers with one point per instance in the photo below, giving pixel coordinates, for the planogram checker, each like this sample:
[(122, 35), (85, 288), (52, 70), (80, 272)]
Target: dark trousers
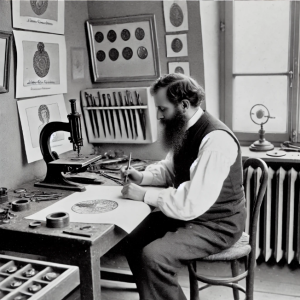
[(160, 246)]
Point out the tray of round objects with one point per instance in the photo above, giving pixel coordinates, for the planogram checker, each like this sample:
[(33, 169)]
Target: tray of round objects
[(22, 279)]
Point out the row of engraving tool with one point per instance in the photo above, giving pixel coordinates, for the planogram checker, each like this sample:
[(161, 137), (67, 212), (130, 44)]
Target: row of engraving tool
[(123, 107)]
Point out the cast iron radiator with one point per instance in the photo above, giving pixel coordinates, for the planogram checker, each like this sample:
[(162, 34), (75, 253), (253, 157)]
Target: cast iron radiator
[(279, 221)]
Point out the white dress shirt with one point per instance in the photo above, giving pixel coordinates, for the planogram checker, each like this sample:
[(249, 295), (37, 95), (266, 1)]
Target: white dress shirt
[(217, 152)]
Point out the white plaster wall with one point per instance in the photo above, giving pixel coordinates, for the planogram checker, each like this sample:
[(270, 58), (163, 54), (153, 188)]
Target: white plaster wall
[(210, 24)]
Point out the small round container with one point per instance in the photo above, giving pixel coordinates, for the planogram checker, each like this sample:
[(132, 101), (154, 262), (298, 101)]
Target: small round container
[(57, 220), (3, 195), (20, 205)]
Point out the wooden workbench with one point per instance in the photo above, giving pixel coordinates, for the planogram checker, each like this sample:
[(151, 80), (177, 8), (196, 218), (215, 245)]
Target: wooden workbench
[(59, 247)]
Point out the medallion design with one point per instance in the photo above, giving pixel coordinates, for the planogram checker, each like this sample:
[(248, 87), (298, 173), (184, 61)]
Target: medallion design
[(38, 6), (98, 206), (41, 61)]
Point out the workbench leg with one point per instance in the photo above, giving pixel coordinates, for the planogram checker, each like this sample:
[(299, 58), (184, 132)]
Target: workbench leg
[(88, 261)]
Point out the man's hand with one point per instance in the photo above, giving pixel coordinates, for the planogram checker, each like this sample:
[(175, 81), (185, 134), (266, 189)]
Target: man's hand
[(133, 192), (134, 176)]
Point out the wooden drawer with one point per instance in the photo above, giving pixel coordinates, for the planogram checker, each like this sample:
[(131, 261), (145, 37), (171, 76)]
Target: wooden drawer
[(56, 289)]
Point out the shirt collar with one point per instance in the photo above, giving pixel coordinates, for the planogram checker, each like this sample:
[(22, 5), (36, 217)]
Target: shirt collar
[(194, 118)]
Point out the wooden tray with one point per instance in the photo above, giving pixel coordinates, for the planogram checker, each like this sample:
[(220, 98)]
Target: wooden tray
[(56, 289)]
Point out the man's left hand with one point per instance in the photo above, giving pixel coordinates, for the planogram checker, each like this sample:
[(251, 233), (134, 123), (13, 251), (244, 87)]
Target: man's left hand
[(134, 192)]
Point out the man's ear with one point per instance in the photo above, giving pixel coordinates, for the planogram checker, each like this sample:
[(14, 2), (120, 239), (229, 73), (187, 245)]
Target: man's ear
[(185, 104)]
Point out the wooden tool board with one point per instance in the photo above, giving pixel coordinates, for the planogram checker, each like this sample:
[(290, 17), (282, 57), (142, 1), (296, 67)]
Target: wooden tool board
[(100, 115)]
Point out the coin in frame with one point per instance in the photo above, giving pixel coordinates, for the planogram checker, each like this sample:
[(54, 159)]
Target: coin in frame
[(113, 54), (125, 34), (111, 36), (142, 52), (101, 55), (127, 53), (139, 33), (99, 37)]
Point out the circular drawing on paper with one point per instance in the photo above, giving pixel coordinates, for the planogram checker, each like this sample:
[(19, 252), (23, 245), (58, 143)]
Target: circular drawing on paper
[(99, 37), (177, 45), (139, 33), (101, 55), (98, 206), (179, 70), (38, 6), (125, 34), (113, 54), (41, 61), (176, 15), (127, 53), (142, 52), (111, 36)]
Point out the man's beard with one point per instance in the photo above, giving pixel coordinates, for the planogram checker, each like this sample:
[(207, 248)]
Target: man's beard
[(174, 132)]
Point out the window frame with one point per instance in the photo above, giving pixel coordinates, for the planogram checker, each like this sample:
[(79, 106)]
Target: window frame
[(292, 92)]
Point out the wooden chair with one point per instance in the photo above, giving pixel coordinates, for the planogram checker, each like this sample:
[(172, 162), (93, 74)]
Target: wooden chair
[(242, 249)]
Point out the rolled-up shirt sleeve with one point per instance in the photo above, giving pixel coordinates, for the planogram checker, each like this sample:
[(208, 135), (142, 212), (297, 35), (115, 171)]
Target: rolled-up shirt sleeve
[(160, 174), (217, 152)]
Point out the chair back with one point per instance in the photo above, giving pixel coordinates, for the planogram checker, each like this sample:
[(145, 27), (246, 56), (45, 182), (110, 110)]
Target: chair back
[(256, 202)]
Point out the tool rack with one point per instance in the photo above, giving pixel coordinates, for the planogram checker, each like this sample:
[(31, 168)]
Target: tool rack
[(67, 280), (119, 115)]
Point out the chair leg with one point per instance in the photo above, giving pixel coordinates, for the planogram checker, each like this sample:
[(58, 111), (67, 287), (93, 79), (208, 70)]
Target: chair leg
[(194, 288), (250, 282), (235, 272)]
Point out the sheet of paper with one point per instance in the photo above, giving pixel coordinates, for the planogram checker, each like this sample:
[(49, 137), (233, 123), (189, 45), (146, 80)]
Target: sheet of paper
[(41, 64), (46, 16), (99, 204)]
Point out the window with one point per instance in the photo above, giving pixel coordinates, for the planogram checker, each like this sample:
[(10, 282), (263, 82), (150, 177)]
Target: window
[(261, 67)]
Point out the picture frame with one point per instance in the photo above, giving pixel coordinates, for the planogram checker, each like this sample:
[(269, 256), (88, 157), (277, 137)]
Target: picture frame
[(34, 114), (41, 64), (44, 16), (179, 67), (5, 53), (177, 45), (123, 49), (77, 63), (176, 15)]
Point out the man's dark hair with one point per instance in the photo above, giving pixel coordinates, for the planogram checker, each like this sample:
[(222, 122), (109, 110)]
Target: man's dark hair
[(179, 87)]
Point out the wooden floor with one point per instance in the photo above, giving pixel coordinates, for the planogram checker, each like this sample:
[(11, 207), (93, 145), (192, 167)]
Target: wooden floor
[(272, 282)]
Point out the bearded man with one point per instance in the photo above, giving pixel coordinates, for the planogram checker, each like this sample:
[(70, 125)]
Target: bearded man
[(202, 208)]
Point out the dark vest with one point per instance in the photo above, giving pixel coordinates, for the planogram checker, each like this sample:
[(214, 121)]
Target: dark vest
[(232, 192)]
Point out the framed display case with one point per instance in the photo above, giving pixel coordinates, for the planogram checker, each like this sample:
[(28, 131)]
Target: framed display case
[(123, 49)]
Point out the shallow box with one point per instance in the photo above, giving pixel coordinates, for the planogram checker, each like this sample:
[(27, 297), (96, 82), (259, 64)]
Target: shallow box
[(56, 289)]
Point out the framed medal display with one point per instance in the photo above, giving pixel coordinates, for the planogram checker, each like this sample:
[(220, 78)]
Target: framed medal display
[(41, 64), (123, 49)]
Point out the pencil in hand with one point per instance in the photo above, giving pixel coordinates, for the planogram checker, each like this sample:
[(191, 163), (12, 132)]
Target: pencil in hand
[(128, 166)]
